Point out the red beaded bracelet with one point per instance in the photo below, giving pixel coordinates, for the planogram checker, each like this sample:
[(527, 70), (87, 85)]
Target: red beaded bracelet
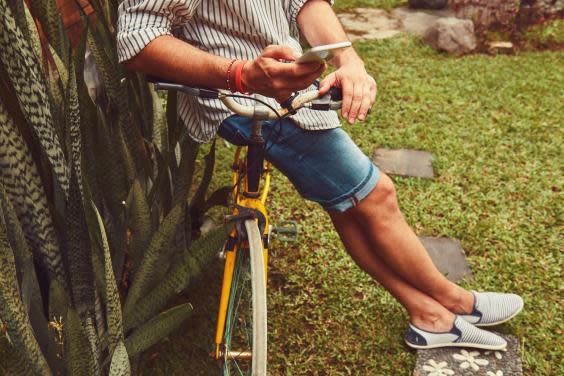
[(229, 75)]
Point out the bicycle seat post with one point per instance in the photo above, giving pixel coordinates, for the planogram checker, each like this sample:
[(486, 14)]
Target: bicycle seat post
[(255, 154)]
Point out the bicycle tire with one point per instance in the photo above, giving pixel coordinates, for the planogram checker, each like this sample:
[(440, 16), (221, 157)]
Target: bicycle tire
[(248, 288)]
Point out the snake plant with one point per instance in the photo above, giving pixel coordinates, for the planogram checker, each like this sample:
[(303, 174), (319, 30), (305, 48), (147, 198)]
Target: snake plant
[(98, 216)]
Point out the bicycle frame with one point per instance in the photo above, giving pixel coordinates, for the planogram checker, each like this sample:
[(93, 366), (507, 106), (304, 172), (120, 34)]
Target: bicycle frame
[(253, 196)]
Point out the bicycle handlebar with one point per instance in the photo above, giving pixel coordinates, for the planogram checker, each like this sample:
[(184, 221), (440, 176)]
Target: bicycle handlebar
[(309, 99)]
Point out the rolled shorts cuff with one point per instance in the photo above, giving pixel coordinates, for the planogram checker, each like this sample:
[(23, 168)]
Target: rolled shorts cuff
[(352, 198)]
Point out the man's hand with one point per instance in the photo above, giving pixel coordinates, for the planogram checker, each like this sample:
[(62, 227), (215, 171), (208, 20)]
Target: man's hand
[(269, 75), (359, 88)]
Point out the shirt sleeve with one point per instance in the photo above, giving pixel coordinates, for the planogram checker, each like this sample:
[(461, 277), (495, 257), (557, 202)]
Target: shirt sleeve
[(141, 21), (294, 8)]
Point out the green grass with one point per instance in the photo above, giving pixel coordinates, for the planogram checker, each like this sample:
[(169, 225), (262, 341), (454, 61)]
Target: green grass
[(385, 4), (495, 128)]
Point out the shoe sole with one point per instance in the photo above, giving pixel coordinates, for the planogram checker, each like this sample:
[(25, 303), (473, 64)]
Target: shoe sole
[(457, 344), (500, 322)]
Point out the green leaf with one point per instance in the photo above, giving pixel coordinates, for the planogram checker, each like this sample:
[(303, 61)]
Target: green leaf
[(119, 108), (23, 70), (56, 33), (58, 302), (78, 351), (160, 131), (108, 167), (140, 223), (24, 189), (34, 38), (183, 181), (120, 361), (22, 253), (113, 305), (146, 275), (14, 315), (79, 259), (178, 277), (172, 120), (157, 328), (198, 201)]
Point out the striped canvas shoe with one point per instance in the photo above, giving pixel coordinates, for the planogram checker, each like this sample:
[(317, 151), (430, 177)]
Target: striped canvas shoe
[(462, 334), (492, 308)]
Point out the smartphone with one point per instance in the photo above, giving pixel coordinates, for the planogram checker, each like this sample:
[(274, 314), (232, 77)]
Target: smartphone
[(320, 53)]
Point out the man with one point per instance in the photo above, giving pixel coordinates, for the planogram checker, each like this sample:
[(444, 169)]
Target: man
[(202, 42)]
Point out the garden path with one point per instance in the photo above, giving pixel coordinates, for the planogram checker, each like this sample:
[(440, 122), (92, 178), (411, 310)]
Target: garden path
[(374, 23)]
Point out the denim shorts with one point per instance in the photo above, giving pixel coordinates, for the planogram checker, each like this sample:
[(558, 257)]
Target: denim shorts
[(325, 166)]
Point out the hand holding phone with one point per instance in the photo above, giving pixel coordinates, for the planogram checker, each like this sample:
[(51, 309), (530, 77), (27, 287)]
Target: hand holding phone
[(322, 53)]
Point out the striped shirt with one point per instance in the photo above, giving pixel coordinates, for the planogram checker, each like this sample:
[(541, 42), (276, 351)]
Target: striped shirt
[(238, 29)]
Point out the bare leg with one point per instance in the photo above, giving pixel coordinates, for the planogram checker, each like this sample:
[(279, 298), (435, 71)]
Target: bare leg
[(424, 311), (378, 222)]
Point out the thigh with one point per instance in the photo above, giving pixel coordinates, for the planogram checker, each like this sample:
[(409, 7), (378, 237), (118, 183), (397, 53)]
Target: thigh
[(325, 166)]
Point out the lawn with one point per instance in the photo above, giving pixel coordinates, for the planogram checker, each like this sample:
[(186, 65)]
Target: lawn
[(495, 128)]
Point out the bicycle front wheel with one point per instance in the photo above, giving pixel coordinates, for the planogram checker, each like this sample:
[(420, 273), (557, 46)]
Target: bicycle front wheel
[(244, 339)]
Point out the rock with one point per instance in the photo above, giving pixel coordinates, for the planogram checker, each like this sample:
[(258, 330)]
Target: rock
[(428, 4), (448, 256), (417, 22), (471, 362), (402, 162), (486, 13), (500, 48), (452, 35), (372, 23)]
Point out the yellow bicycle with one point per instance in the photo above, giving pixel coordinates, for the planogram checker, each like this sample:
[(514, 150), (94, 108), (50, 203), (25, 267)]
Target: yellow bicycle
[(241, 333)]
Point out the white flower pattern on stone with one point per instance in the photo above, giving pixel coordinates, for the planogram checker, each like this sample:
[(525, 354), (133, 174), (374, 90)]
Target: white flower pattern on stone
[(437, 369), (497, 354), (498, 373), (470, 360)]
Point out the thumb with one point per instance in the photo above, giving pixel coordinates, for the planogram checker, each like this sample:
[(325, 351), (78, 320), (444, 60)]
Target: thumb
[(279, 52), (326, 84)]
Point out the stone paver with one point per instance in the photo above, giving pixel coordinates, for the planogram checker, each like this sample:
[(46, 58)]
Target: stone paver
[(373, 23), (448, 256), (403, 162), (469, 362)]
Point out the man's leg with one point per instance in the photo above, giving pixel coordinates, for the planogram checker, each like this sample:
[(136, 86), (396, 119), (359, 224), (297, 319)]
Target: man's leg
[(375, 232), (424, 311)]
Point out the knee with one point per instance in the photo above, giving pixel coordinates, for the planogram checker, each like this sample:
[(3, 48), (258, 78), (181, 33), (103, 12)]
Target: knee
[(382, 201)]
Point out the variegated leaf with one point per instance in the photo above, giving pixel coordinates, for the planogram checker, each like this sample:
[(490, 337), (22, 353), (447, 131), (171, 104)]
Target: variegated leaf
[(13, 313), (20, 177), (120, 361), (178, 277), (146, 274), (157, 328), (113, 305), (22, 67), (78, 352)]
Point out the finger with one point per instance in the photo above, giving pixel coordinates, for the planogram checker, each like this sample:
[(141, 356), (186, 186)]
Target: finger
[(347, 98), (326, 84), (356, 102), (302, 82), (366, 102), (298, 71), (279, 52), (373, 92)]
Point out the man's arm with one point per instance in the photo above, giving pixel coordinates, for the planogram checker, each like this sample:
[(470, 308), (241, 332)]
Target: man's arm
[(320, 26), (176, 60)]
